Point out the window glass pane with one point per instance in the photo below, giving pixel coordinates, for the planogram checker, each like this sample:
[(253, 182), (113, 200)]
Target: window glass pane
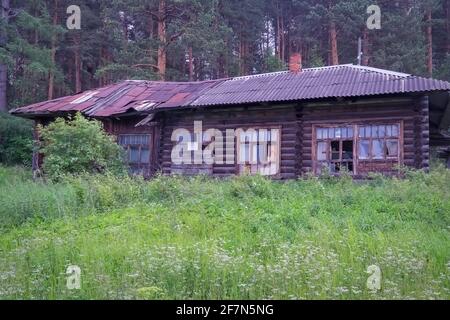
[(367, 132), (389, 131), (395, 130), (134, 154), (363, 149), (392, 148), (244, 156), (374, 131), (362, 132), (377, 149), (321, 151), (350, 132), (338, 133), (381, 131), (330, 133), (320, 133), (145, 155)]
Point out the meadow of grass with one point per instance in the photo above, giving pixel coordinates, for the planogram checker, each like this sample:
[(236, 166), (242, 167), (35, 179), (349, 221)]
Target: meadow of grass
[(243, 238)]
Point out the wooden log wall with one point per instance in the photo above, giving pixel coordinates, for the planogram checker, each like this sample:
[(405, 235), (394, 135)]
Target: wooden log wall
[(296, 122), (404, 112), (235, 118)]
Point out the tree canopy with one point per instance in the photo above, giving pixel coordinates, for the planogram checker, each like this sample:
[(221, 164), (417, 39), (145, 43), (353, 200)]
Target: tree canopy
[(193, 40)]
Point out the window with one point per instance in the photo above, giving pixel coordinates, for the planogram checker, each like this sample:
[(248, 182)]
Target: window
[(258, 151), (334, 149), (137, 147), (379, 142)]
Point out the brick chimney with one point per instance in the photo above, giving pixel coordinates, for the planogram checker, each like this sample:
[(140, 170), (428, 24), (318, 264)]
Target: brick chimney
[(295, 63)]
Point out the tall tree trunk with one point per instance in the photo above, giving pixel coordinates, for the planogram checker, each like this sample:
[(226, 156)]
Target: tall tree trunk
[(243, 54), (366, 48), (191, 64), (4, 11), (333, 43), (277, 35), (429, 44), (162, 35), (447, 23), (51, 76), (78, 62), (282, 40)]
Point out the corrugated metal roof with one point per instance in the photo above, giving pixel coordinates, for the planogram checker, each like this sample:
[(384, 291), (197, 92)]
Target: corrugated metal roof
[(316, 83), (313, 83), (130, 95)]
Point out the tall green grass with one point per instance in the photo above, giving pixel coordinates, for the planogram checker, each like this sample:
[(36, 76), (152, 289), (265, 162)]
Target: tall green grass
[(243, 238)]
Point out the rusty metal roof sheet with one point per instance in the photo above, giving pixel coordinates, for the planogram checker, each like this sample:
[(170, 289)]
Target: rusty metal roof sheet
[(313, 83), (120, 98)]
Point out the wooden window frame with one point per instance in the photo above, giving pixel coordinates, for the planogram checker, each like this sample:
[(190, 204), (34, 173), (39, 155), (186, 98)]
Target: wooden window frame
[(356, 140), (328, 141), (238, 149), (139, 165), (399, 139)]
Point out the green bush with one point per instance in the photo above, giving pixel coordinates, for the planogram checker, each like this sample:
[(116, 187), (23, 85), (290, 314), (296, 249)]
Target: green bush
[(78, 146), (16, 140)]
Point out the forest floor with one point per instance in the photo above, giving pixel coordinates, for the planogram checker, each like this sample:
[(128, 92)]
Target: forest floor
[(243, 238)]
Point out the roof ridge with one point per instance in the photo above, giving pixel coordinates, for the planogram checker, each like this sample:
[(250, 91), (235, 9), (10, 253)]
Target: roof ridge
[(379, 70)]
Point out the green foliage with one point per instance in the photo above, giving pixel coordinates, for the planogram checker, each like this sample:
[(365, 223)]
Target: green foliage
[(16, 140), (78, 146), (242, 238), (119, 40)]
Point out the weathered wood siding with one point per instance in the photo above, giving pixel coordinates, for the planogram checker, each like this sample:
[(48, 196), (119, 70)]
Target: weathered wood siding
[(127, 125), (234, 118), (296, 123), (412, 114)]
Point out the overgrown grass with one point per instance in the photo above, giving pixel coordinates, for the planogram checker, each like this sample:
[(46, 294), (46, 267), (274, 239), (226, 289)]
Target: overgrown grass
[(244, 238)]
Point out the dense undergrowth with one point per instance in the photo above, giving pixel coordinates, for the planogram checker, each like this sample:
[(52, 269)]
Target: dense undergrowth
[(242, 238)]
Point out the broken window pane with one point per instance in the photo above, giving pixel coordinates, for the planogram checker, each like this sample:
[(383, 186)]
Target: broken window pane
[(335, 154), (363, 149), (347, 150), (392, 148)]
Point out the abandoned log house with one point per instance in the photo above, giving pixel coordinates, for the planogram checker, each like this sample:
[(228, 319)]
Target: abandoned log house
[(283, 124)]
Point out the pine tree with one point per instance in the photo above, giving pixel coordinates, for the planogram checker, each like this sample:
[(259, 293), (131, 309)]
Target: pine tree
[(4, 16)]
